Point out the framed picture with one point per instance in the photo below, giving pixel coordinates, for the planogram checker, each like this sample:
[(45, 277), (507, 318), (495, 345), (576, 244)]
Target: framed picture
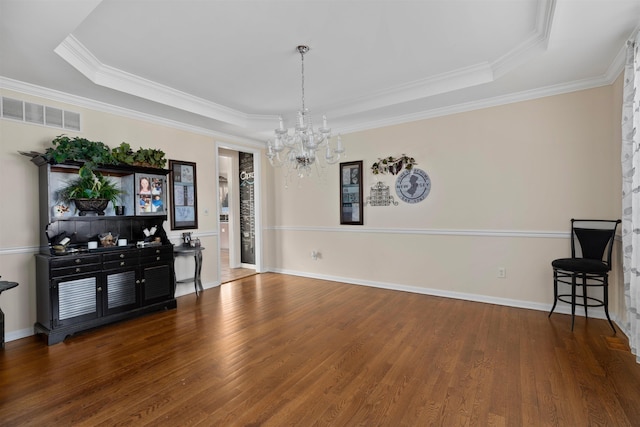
[(150, 195), (184, 202), (351, 193)]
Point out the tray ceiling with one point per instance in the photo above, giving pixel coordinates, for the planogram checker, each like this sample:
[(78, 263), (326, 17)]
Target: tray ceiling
[(232, 67)]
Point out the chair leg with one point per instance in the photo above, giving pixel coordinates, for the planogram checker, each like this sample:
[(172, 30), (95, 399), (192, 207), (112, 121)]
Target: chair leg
[(584, 294), (573, 300), (555, 291), (605, 297)]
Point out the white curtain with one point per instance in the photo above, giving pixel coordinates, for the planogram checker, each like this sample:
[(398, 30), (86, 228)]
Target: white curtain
[(631, 192)]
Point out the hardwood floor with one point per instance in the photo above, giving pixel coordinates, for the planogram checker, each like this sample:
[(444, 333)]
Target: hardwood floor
[(277, 350), (228, 274)]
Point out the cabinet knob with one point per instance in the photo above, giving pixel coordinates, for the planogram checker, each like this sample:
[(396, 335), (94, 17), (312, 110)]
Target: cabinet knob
[(99, 289), (157, 251), (121, 255), (78, 261), (78, 270), (142, 280), (122, 263), (137, 282), (157, 258)]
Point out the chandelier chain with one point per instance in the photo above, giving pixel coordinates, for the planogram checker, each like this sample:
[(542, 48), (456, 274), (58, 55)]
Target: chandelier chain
[(302, 51)]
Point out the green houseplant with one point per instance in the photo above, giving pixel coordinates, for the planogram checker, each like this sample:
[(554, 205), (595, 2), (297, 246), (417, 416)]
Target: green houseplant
[(123, 154), (93, 153), (90, 191), (77, 149), (149, 157)]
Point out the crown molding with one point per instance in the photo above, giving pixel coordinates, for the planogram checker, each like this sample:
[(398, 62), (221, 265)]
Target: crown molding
[(607, 79), (83, 60), (461, 78), (78, 101), (537, 41), (257, 126), (434, 85), (611, 75)]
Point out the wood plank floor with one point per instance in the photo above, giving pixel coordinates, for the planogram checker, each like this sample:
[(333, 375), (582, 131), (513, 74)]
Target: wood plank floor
[(228, 274), (278, 350)]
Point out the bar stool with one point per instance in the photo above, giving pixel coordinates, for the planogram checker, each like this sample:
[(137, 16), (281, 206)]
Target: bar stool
[(591, 248)]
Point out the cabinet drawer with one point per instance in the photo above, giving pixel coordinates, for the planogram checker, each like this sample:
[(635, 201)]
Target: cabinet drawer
[(69, 261), (156, 258), (126, 262), (120, 256), (156, 250), (78, 269)]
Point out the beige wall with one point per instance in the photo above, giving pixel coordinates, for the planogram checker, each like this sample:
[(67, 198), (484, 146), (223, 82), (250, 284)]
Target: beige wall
[(505, 182)]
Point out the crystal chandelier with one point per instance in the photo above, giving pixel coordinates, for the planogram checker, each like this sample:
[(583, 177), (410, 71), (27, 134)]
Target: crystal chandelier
[(305, 146)]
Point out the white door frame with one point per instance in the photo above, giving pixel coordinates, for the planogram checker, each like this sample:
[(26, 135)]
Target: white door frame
[(257, 168)]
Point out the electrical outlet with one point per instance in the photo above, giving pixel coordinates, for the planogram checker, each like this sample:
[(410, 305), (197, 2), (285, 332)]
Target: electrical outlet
[(502, 273)]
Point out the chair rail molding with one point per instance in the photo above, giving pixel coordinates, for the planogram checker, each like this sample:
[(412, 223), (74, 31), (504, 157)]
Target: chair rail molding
[(429, 231)]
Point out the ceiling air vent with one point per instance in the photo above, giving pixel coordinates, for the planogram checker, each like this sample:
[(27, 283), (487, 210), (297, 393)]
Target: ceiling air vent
[(12, 109), (72, 120), (33, 113), (54, 117), (29, 112)]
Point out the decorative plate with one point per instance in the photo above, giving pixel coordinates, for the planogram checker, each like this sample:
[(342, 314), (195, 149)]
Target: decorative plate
[(413, 186)]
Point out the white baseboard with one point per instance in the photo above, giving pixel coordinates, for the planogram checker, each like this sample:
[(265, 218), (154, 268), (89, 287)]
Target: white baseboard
[(188, 288), (16, 335), (597, 313)]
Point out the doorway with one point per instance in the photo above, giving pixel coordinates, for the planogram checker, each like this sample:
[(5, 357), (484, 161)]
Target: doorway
[(231, 217)]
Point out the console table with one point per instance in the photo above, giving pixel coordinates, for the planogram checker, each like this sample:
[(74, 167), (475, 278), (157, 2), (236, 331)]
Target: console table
[(4, 286), (196, 252)]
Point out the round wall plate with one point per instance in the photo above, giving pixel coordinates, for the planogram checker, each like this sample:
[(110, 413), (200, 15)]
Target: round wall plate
[(413, 186)]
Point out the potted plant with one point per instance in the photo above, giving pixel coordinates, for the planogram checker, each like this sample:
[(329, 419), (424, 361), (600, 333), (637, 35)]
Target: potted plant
[(149, 157), (123, 154), (90, 191), (77, 149), (94, 153)]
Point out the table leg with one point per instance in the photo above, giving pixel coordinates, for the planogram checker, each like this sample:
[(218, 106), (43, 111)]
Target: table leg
[(1, 329), (196, 278)]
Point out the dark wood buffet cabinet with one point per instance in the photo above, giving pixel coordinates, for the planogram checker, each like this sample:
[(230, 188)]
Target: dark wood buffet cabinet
[(85, 288)]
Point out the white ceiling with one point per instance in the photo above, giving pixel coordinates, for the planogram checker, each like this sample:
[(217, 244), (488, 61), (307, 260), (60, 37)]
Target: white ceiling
[(232, 67)]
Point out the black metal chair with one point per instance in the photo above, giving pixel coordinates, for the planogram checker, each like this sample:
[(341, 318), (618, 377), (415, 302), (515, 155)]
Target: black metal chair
[(591, 248)]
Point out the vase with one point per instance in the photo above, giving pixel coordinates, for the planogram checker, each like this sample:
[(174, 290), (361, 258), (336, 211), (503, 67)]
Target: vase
[(91, 205)]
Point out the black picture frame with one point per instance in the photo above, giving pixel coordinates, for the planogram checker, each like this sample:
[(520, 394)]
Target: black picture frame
[(351, 203), (184, 195)]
